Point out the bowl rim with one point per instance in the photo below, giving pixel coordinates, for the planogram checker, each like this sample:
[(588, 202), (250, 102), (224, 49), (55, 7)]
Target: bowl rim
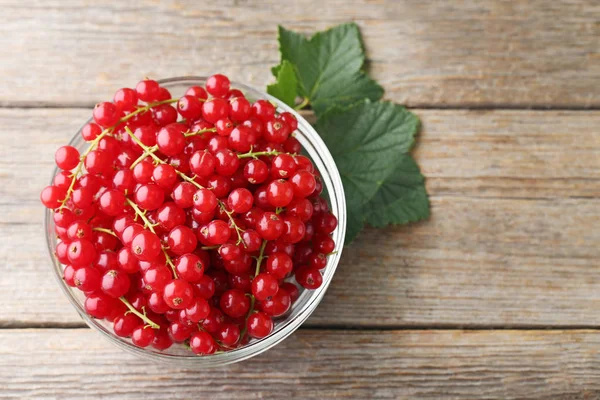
[(332, 180)]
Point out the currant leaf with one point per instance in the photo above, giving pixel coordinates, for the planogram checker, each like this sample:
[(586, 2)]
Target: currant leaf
[(369, 142), (328, 67), (286, 87), (401, 198)]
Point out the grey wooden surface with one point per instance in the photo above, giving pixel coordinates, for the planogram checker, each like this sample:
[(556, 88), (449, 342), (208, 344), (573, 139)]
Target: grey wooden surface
[(512, 241)]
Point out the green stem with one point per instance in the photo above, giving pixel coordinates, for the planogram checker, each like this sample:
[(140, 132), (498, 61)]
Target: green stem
[(143, 316), (259, 261), (200, 132), (110, 232), (304, 103), (150, 226), (257, 154)]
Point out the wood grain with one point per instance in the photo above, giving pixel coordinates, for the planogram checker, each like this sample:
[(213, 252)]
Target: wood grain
[(512, 240), (66, 364), (429, 53)]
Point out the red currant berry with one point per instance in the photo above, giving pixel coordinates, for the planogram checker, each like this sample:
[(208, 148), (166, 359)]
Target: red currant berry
[(218, 85), (304, 183), (62, 180), (202, 163), (291, 289), (242, 139), (164, 114), (178, 294), (90, 131), (156, 278), (270, 226), (239, 109), (304, 163), (115, 283), (182, 240), (170, 139), (242, 281), (256, 171), (81, 252), (127, 261), (279, 265), (283, 166), (217, 143), (215, 109), (147, 90), (323, 244), (183, 194), (277, 305), (326, 222), (125, 99), (264, 286), (309, 277), (301, 208), (280, 193), (290, 120), (142, 336), (189, 107), (205, 200), (292, 145), (259, 325), (189, 267), (143, 172), (203, 343), (169, 215), (129, 233), (106, 261), (197, 92), (294, 229), (198, 310), (124, 325), (263, 110), (149, 196), (228, 334), (234, 303), (66, 157), (146, 246), (162, 340), (69, 275), (204, 287), (106, 114), (124, 181), (227, 162), (98, 162), (317, 260), (220, 185), (98, 305), (51, 196), (112, 202), (276, 131), (87, 279), (224, 127), (79, 230), (240, 200)]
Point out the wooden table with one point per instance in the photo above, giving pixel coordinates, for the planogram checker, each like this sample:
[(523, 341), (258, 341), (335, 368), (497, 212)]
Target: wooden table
[(496, 296)]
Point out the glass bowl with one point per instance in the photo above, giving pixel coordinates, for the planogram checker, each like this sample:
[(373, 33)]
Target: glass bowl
[(315, 148)]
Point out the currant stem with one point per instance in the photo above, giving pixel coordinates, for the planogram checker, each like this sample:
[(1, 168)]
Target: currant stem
[(150, 226), (148, 150), (304, 103), (257, 154), (209, 247), (110, 232), (259, 261), (200, 132), (143, 316)]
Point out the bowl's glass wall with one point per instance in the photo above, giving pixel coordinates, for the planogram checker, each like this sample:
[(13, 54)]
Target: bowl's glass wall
[(308, 300)]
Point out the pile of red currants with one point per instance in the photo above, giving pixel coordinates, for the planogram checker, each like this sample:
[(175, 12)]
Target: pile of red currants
[(189, 220)]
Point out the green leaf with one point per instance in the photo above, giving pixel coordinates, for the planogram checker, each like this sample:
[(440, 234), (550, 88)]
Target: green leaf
[(402, 197), (328, 67), (286, 87), (366, 141)]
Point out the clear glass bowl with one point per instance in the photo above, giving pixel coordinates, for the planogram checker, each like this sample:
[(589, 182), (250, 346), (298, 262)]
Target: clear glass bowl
[(315, 148)]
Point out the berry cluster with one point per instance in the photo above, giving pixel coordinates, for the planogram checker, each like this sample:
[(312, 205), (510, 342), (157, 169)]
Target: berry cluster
[(189, 219)]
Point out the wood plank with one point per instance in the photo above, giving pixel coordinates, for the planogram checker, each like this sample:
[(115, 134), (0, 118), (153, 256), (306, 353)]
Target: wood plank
[(512, 238), (376, 365), (472, 53)]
